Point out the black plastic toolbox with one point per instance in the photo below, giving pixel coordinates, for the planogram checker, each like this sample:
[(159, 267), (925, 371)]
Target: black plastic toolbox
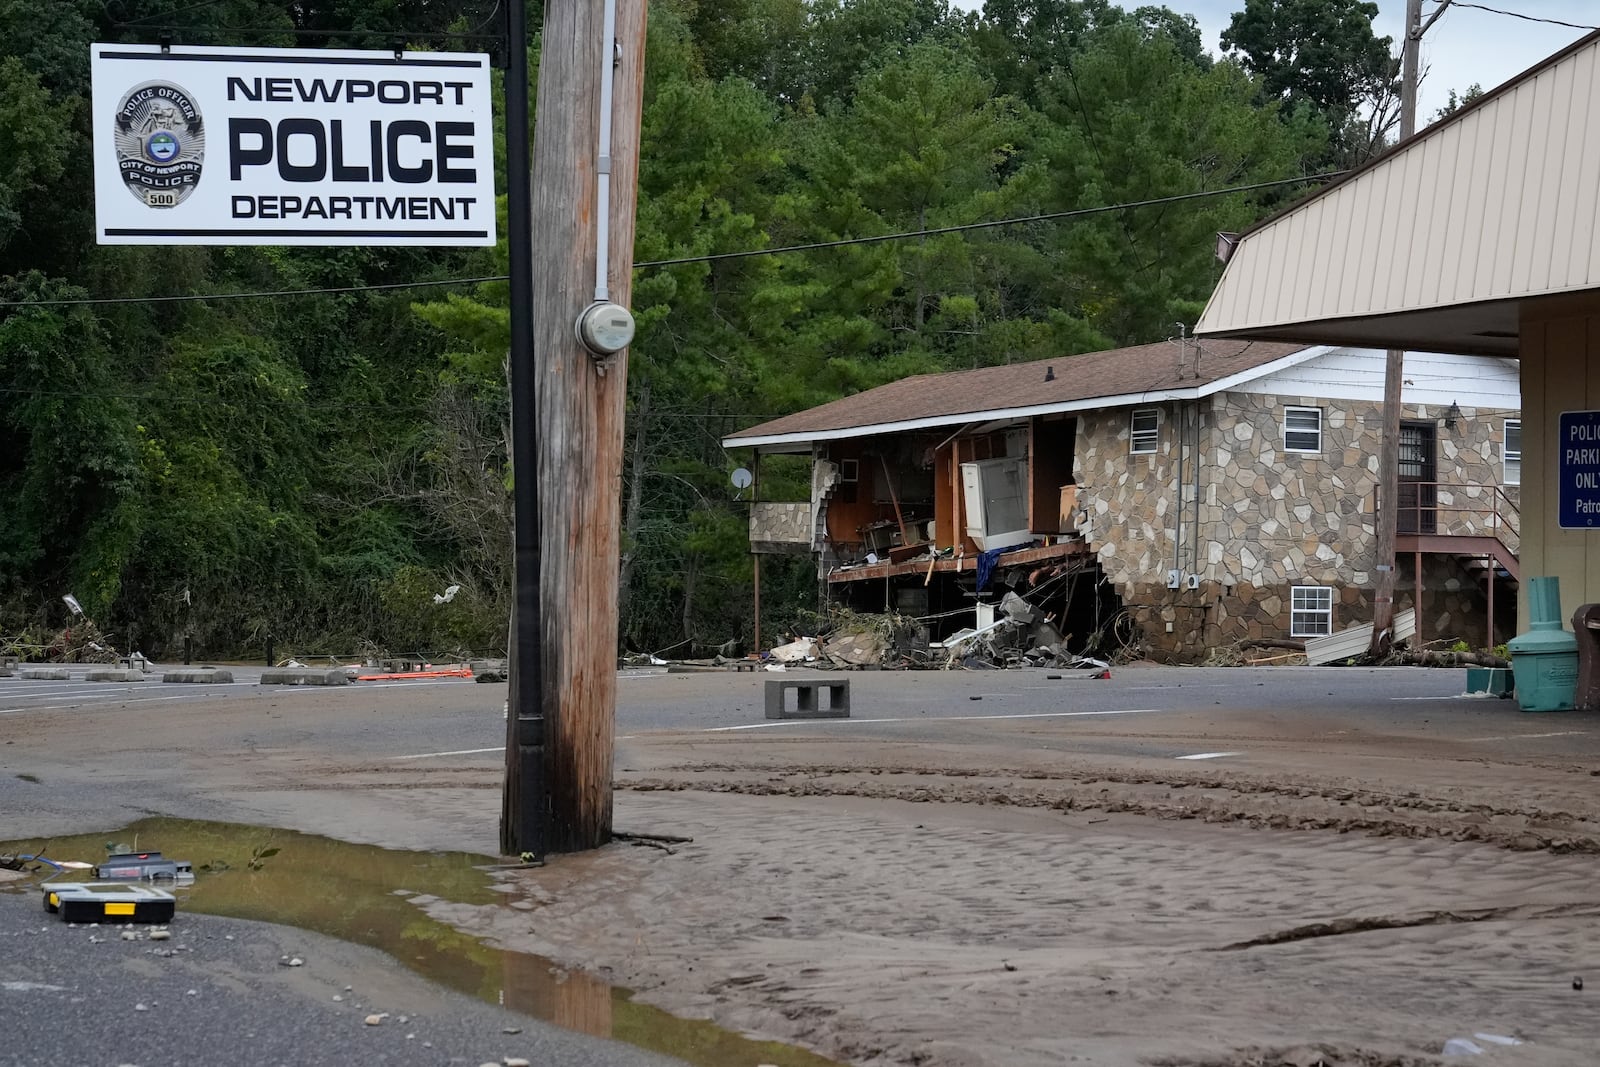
[(95, 902)]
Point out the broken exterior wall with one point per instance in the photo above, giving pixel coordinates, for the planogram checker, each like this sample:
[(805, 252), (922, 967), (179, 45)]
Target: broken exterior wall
[(1270, 519), (824, 478)]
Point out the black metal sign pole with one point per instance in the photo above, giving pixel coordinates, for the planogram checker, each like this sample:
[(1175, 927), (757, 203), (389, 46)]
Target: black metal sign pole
[(525, 811)]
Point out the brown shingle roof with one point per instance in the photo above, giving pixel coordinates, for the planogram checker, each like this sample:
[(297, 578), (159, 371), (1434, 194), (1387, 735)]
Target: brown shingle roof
[(1120, 372)]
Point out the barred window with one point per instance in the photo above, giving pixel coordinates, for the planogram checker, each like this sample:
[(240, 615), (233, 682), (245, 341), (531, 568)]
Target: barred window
[(1302, 429), (1144, 431)]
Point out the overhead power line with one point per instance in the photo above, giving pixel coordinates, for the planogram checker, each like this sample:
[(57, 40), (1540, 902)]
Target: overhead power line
[(714, 257), (254, 295), (966, 227), (1526, 18), (300, 403)]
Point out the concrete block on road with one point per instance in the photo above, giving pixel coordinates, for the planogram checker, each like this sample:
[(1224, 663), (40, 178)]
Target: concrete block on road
[(199, 676), (808, 702), (304, 677), (45, 674), (114, 674)]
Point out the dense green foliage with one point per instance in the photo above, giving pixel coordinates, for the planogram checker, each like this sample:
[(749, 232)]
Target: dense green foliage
[(319, 467), (1321, 57)]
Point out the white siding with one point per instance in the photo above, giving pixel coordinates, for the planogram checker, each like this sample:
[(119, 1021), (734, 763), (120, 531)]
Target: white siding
[(1499, 202), (1432, 378)]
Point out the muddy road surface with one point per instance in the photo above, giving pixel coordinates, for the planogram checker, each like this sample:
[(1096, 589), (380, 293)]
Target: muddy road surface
[(1178, 866)]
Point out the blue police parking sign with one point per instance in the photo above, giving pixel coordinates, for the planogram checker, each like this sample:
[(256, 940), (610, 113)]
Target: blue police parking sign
[(1578, 469)]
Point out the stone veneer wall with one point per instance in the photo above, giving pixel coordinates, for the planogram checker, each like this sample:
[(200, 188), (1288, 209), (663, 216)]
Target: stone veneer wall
[(1270, 519), (781, 526)]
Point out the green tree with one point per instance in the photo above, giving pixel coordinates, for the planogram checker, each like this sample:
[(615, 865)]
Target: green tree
[(35, 139), (1135, 119), (761, 41), (851, 37), (69, 452), (1320, 55), (1456, 102), (1022, 41)]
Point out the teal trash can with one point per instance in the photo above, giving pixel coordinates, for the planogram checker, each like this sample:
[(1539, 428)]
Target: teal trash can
[(1544, 661)]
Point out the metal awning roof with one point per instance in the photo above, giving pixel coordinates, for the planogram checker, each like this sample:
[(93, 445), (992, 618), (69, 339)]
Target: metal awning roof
[(1436, 244)]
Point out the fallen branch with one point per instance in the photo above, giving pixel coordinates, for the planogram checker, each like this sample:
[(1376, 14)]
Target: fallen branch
[(670, 839), (1428, 657), (668, 849), (1273, 659), (1274, 642)]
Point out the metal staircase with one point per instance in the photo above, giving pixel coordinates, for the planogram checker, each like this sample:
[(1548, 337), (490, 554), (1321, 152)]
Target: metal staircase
[(1477, 524)]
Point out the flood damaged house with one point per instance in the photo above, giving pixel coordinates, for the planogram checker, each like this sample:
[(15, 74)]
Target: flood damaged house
[(1171, 497)]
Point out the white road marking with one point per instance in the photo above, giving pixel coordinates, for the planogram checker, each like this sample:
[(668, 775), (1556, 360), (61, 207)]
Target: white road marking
[(64, 688), (79, 704), (1526, 737), (1209, 755), (1181, 685), (928, 719), (101, 693), (457, 752)]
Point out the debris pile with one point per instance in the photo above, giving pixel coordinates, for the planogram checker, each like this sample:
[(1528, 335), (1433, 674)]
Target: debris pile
[(858, 642), (1020, 636)]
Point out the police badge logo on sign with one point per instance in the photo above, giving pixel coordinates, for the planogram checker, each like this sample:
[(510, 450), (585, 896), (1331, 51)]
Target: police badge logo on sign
[(161, 143)]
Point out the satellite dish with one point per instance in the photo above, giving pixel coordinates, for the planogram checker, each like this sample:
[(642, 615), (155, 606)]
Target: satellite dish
[(742, 478)]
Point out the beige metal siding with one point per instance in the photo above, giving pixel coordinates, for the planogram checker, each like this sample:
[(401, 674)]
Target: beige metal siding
[(1560, 372), (1583, 177), (1498, 202)]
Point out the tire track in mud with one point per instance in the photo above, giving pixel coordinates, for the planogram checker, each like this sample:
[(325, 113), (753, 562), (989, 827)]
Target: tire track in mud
[(1234, 781), (1304, 1056), (1366, 924), (1238, 801)]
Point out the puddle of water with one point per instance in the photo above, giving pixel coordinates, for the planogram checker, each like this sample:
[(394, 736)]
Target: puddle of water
[(361, 893)]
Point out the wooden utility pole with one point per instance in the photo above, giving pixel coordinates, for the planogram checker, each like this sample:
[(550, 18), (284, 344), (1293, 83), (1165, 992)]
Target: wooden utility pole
[(581, 397), (1394, 374)]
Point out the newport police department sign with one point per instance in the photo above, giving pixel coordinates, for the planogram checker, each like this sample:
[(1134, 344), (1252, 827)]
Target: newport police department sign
[(277, 146)]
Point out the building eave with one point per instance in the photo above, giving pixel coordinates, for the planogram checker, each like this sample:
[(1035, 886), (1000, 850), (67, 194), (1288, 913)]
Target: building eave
[(798, 441)]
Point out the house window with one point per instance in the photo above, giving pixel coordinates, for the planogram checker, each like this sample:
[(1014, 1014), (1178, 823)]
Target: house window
[(1144, 431), (1310, 611), (1302, 429), (1511, 453)]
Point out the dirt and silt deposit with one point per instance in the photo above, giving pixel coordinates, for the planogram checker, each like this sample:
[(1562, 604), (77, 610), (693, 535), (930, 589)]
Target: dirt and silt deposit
[(1337, 900)]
